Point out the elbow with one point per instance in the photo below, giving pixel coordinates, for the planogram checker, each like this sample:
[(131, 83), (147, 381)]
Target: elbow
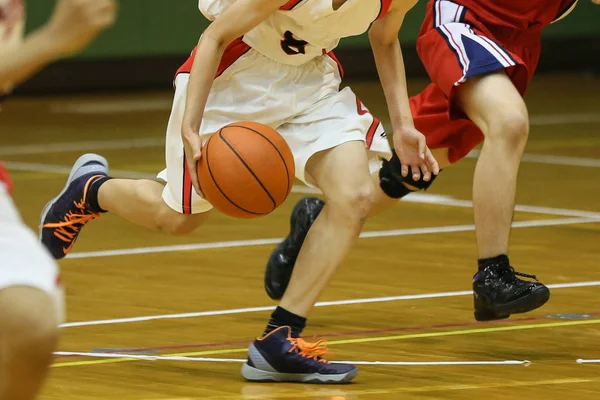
[(216, 39)]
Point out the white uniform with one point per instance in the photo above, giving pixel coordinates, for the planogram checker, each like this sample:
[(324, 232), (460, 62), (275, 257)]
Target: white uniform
[(23, 260), (282, 74)]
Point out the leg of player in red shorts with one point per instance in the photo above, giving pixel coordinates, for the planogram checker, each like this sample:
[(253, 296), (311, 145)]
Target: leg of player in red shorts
[(30, 292)]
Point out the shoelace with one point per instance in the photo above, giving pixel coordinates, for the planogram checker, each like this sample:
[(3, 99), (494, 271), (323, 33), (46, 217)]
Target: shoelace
[(515, 273), (72, 222), (524, 275), (309, 350)]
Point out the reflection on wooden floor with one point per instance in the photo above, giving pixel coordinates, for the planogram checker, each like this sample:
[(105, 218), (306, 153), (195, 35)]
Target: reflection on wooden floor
[(415, 269)]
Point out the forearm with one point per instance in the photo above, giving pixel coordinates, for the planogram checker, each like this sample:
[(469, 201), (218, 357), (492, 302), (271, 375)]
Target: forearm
[(390, 67), (206, 62), (20, 61)]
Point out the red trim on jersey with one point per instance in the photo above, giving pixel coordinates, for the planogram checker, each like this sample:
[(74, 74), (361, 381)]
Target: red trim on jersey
[(233, 52), (186, 196), (339, 64), (5, 178), (371, 132), (385, 7), (290, 4)]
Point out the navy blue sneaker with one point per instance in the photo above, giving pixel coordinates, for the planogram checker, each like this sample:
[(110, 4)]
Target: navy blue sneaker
[(283, 258), (65, 215), (279, 357), (498, 292)]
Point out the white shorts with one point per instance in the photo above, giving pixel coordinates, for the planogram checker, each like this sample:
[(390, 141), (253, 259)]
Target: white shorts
[(303, 103), (23, 260)]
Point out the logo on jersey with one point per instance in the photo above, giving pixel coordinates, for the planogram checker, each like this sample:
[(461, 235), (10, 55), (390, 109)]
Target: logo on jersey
[(292, 46)]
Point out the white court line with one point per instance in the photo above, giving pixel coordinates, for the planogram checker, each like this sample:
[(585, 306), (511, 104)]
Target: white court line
[(65, 170), (554, 160), (319, 304), (268, 241), (164, 104), (116, 144), (584, 361), (562, 119), (411, 198), (243, 360)]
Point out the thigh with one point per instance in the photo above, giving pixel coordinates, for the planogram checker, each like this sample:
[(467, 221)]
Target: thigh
[(341, 171), (491, 101), (24, 261)]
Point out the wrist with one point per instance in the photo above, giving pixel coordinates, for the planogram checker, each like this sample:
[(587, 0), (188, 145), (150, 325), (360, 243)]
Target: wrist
[(402, 124), (50, 44)]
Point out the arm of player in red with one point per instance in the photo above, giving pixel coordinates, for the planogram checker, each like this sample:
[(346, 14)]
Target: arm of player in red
[(235, 21), (409, 143), (73, 25)]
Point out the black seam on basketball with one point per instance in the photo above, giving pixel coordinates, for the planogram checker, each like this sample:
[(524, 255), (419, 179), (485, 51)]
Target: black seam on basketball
[(248, 168), (217, 184), (272, 144)]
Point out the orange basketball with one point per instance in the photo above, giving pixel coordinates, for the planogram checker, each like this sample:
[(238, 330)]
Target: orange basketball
[(246, 170)]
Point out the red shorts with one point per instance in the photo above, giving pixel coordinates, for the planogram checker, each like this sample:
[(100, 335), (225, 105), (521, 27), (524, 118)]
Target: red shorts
[(455, 45)]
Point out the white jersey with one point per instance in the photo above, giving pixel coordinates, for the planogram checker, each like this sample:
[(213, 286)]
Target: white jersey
[(304, 29)]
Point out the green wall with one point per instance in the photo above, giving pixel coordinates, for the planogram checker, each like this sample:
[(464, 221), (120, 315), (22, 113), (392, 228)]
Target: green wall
[(167, 27)]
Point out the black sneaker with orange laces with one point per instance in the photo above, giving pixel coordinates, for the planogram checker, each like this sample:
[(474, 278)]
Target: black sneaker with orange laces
[(65, 215), (279, 357)]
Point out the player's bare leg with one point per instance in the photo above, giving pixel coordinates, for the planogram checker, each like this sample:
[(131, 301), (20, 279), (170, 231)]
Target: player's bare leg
[(282, 260), (28, 336), (343, 175), (89, 192), (496, 107), (140, 201)]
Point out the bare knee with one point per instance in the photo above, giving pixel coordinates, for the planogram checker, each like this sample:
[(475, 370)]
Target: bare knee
[(509, 128), (354, 203)]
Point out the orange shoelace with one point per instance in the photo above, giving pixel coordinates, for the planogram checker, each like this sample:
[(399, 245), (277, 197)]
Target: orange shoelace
[(309, 350), (72, 223)]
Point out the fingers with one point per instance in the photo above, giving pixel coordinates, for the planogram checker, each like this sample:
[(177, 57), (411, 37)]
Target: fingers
[(432, 162), (193, 153), (192, 165)]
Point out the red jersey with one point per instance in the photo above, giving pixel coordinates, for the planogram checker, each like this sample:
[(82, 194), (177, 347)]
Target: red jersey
[(521, 15), (5, 178)]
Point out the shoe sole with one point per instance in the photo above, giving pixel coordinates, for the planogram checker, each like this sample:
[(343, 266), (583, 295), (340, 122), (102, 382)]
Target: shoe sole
[(81, 161), (258, 375), (534, 300)]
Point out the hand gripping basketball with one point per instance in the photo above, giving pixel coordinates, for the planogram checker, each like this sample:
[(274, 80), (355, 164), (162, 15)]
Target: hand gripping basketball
[(192, 146)]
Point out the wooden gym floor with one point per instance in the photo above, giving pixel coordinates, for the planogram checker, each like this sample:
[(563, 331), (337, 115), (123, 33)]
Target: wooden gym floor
[(414, 270)]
